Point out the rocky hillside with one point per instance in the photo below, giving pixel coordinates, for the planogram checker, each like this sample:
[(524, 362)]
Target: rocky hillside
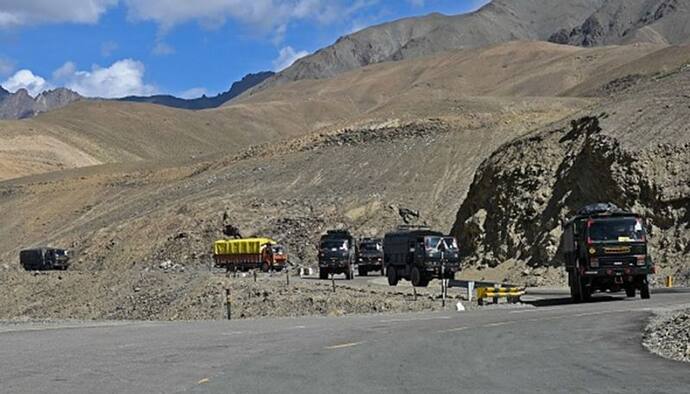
[(576, 22), (20, 105), (237, 88), (632, 151), (616, 22)]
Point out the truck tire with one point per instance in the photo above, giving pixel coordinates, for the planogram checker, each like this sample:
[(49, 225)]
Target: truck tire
[(392, 276), (416, 277), (630, 292), (362, 271), (644, 291), (323, 274), (383, 271), (581, 290), (424, 282), (574, 287), (265, 267)]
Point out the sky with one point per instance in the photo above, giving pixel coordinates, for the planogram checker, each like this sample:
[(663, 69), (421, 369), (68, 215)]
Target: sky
[(116, 48)]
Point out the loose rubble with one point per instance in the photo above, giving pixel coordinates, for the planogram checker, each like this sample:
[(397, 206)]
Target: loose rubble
[(668, 335)]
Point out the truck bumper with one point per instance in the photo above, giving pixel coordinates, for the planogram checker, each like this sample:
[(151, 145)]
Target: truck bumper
[(617, 272)]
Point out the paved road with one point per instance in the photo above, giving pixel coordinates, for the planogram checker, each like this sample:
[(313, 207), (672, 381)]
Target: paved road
[(551, 347)]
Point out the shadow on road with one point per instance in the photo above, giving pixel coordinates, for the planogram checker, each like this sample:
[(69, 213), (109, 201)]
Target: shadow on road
[(567, 301)]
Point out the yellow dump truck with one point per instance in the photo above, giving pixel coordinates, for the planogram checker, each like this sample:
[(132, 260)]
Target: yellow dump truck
[(250, 253)]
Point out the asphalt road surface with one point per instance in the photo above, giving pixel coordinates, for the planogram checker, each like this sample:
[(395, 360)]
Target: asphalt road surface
[(551, 346)]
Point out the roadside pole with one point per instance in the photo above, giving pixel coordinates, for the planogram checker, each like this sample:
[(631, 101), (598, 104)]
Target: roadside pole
[(443, 281), (228, 303), (333, 281), (287, 275), (255, 276)]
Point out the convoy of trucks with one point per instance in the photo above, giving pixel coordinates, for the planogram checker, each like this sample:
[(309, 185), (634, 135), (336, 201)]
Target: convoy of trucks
[(605, 249)]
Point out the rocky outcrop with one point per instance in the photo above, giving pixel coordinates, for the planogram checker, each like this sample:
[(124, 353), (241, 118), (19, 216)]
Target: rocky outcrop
[(20, 105), (523, 192), (616, 22)]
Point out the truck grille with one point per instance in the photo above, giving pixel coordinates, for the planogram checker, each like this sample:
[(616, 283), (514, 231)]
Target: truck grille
[(617, 250)]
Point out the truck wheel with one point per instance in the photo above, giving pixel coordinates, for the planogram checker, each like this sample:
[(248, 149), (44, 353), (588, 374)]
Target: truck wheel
[(323, 274), (585, 293), (265, 267), (392, 276), (362, 271), (383, 271), (630, 292), (644, 291), (574, 294), (416, 277), (424, 282)]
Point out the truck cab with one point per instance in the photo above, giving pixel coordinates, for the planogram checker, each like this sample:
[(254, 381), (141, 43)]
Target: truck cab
[(605, 249), (420, 255), (370, 256), (337, 254)]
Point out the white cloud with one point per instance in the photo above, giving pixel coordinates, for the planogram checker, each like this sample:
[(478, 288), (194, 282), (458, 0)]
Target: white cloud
[(416, 3), (25, 79), (28, 12), (193, 93), (65, 71), (265, 16), (122, 78), (287, 57)]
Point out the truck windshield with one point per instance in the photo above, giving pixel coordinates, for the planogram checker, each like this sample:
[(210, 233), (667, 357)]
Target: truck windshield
[(335, 244), (278, 249), (440, 243), (616, 230), (371, 246)]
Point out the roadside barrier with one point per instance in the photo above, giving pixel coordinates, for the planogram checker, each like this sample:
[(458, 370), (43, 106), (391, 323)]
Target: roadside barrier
[(511, 294)]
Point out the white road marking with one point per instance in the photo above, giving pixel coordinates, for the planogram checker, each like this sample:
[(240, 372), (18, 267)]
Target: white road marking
[(344, 345), (416, 319), (456, 329), (498, 324)]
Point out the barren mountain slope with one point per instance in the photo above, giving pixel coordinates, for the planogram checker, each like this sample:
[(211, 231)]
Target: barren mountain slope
[(456, 82), (115, 216), (576, 22), (632, 150)]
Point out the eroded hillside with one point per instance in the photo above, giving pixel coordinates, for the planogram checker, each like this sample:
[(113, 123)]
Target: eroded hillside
[(632, 151)]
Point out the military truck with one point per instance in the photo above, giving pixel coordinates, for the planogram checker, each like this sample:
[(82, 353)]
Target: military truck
[(370, 256), (419, 255), (250, 253), (44, 258), (605, 249), (337, 254)]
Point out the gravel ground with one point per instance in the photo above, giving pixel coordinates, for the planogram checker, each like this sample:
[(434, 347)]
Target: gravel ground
[(668, 335), (134, 295)]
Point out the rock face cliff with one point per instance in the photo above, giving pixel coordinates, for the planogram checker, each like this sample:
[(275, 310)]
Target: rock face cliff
[(633, 153), (20, 105)]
